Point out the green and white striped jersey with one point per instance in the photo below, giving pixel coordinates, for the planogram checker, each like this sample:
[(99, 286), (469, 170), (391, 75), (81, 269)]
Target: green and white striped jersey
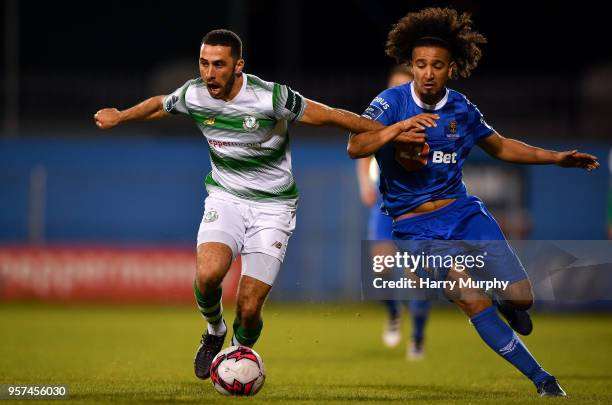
[(247, 137)]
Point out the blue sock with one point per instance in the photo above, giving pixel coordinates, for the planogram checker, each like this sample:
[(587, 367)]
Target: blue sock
[(392, 308), (419, 310), (498, 335)]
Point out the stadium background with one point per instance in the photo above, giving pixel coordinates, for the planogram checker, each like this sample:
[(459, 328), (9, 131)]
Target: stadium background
[(92, 216)]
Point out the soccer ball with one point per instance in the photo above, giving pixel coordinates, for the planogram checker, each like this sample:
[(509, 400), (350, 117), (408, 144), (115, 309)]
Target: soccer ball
[(237, 370)]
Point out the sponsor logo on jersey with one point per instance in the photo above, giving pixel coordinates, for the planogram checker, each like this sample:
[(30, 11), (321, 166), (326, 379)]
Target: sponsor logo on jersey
[(211, 216), (451, 130), (382, 102), (416, 157), (219, 144), (372, 112), (171, 102), (441, 157), (250, 123)]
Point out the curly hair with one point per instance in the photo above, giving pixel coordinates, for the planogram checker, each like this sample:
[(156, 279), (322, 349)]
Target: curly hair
[(441, 27)]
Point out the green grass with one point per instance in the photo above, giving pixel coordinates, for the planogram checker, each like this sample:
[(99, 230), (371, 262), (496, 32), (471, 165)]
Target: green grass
[(313, 354)]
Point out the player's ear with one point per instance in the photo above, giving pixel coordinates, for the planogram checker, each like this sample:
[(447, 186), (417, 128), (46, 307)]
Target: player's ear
[(238, 67), (451, 70)]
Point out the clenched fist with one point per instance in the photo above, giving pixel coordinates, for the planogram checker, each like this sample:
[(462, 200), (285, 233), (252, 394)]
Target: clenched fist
[(107, 118)]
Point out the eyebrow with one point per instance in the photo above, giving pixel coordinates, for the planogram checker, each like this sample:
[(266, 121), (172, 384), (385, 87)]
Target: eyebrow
[(425, 60), (213, 61)]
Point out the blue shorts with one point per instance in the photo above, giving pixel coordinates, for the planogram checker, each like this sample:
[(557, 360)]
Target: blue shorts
[(380, 225), (467, 220)]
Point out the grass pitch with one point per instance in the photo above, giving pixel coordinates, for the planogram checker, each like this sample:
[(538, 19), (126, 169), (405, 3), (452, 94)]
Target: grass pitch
[(313, 354)]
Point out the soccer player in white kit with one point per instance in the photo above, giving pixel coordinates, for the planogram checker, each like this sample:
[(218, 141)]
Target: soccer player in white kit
[(252, 196)]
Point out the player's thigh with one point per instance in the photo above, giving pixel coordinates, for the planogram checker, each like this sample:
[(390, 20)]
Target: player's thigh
[(223, 222), (519, 294), (261, 267), (487, 239), (220, 238), (269, 231)]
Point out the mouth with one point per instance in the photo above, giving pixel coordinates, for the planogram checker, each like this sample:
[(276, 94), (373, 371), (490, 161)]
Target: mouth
[(428, 86), (214, 89)]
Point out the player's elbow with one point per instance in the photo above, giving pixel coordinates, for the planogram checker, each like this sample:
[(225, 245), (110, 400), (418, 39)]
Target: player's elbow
[(354, 150)]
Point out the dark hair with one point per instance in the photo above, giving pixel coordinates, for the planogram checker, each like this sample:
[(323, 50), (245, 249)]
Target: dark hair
[(225, 38), (442, 27)]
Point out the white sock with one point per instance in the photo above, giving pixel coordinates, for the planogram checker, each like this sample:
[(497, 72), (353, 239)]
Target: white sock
[(218, 330)]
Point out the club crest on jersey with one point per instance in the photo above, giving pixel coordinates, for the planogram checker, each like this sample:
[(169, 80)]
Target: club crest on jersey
[(451, 130), (211, 216), (250, 123), (210, 121)]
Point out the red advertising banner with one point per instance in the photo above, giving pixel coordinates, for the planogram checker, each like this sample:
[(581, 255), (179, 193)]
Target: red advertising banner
[(103, 274)]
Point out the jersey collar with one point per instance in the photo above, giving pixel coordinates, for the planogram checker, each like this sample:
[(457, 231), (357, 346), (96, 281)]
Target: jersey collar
[(424, 106)]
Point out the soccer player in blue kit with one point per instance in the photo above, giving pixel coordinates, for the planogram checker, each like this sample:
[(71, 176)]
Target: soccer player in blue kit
[(422, 185)]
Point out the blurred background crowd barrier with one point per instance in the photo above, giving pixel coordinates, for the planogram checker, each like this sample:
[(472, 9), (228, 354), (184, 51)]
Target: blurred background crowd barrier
[(135, 205)]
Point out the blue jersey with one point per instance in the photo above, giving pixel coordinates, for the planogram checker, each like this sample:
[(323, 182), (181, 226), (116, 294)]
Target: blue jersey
[(411, 176)]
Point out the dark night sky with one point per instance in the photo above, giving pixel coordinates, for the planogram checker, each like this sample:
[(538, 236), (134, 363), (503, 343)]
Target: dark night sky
[(90, 55), (327, 38)]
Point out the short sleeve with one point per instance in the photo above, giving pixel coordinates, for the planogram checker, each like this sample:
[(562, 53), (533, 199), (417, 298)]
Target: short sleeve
[(288, 104), (174, 102), (476, 124), (384, 107)]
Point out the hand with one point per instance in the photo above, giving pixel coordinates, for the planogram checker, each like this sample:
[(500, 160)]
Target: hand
[(573, 158), (107, 118), (414, 137), (421, 121)]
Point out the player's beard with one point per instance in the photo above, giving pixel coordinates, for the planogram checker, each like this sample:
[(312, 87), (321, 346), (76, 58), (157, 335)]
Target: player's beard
[(226, 90), (228, 86)]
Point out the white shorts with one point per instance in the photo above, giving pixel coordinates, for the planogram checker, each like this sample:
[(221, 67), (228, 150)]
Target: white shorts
[(247, 227)]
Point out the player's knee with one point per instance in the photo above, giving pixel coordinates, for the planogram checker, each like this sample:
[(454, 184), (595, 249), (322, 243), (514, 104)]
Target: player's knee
[(472, 307), (207, 280)]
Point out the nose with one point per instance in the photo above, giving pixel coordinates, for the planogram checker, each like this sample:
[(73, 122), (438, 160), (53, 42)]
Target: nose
[(208, 73), (429, 73)]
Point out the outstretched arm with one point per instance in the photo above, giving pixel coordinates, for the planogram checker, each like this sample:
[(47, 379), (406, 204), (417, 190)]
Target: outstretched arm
[(318, 114), (513, 151), (407, 131), (150, 109)]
